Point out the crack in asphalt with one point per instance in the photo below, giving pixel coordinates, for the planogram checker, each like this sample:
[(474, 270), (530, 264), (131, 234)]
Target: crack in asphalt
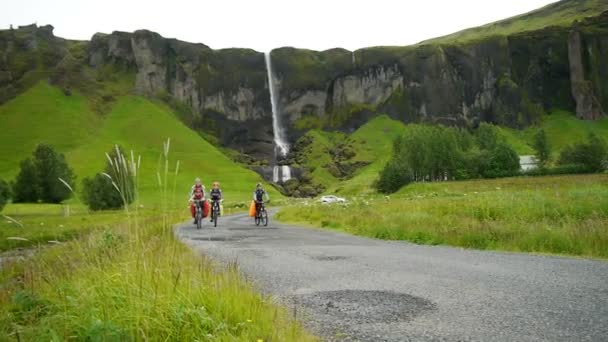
[(348, 288)]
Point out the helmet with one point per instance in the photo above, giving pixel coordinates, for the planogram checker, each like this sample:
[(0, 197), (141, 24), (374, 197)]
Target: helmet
[(216, 183), (197, 180), (259, 185)]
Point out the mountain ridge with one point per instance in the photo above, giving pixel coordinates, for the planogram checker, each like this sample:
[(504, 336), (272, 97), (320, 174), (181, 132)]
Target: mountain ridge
[(509, 80)]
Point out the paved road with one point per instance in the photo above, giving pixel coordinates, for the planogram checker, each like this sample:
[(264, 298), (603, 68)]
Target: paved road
[(351, 288)]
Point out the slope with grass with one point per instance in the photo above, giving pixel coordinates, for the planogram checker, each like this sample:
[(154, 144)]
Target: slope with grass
[(376, 138), (44, 114), (560, 13)]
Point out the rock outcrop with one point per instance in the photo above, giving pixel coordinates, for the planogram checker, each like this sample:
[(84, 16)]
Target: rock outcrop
[(587, 104), (225, 89)]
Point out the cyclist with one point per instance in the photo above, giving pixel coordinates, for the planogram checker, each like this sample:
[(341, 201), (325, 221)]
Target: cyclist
[(216, 195), (258, 197), (197, 193)]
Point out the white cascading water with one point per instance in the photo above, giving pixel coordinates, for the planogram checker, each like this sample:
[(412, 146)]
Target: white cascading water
[(279, 139), (354, 59), (275, 174), (279, 173), (285, 173)]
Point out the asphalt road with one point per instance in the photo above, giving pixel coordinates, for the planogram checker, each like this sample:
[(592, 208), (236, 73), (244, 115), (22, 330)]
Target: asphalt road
[(351, 288)]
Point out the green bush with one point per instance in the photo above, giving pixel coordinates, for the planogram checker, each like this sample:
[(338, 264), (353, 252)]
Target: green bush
[(100, 194), (503, 161), (592, 154), (102, 191), (5, 193), (393, 177)]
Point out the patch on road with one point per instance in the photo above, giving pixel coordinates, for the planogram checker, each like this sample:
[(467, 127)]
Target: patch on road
[(329, 257), (221, 238), (351, 307)]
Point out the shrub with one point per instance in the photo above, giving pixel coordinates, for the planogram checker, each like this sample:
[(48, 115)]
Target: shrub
[(100, 193), (503, 161), (394, 176), (592, 154), (5, 193)]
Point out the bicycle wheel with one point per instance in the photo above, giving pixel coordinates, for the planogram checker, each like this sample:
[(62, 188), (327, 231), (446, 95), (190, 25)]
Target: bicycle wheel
[(264, 217), (257, 219), (199, 218), (215, 215)]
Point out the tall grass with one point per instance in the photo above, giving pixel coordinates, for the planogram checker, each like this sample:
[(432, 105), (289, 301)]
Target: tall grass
[(562, 215), (135, 281)]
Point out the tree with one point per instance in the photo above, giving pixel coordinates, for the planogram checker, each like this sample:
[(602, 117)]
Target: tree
[(487, 136), (38, 179), (51, 166), (27, 184), (5, 193), (101, 193), (542, 148)]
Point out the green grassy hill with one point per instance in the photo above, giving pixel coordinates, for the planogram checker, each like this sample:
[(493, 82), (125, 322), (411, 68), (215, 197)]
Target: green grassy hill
[(44, 114), (375, 141), (561, 13)]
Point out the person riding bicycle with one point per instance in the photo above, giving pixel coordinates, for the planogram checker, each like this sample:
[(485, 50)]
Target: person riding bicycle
[(197, 193), (258, 197), (216, 195)]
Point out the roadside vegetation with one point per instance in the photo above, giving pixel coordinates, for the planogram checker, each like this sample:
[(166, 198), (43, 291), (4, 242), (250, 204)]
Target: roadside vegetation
[(133, 280), (550, 214), (123, 275)]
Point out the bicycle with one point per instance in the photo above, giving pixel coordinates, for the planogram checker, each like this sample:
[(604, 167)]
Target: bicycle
[(198, 204), (261, 215), (215, 211)]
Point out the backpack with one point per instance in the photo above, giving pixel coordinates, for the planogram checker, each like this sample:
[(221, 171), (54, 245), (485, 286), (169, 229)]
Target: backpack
[(259, 194)]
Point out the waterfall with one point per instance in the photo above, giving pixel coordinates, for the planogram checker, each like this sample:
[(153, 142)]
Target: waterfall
[(275, 174), (279, 138), (279, 173), (354, 59), (285, 173)]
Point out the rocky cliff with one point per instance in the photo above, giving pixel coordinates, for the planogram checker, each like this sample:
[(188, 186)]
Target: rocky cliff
[(509, 80)]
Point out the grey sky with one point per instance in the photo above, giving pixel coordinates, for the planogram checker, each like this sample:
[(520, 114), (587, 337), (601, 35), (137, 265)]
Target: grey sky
[(267, 24)]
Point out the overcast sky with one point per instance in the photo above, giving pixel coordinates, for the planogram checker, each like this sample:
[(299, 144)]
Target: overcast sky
[(267, 24)]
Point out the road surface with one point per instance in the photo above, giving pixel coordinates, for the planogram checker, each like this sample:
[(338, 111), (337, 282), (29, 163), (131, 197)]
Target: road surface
[(358, 289)]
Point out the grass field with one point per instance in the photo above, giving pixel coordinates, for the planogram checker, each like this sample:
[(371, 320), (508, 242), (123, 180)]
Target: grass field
[(45, 114), (558, 214), (30, 225), (132, 280)]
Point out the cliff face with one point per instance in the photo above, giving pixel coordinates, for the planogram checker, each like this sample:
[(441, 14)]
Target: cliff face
[(509, 80), (27, 54), (225, 89)]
